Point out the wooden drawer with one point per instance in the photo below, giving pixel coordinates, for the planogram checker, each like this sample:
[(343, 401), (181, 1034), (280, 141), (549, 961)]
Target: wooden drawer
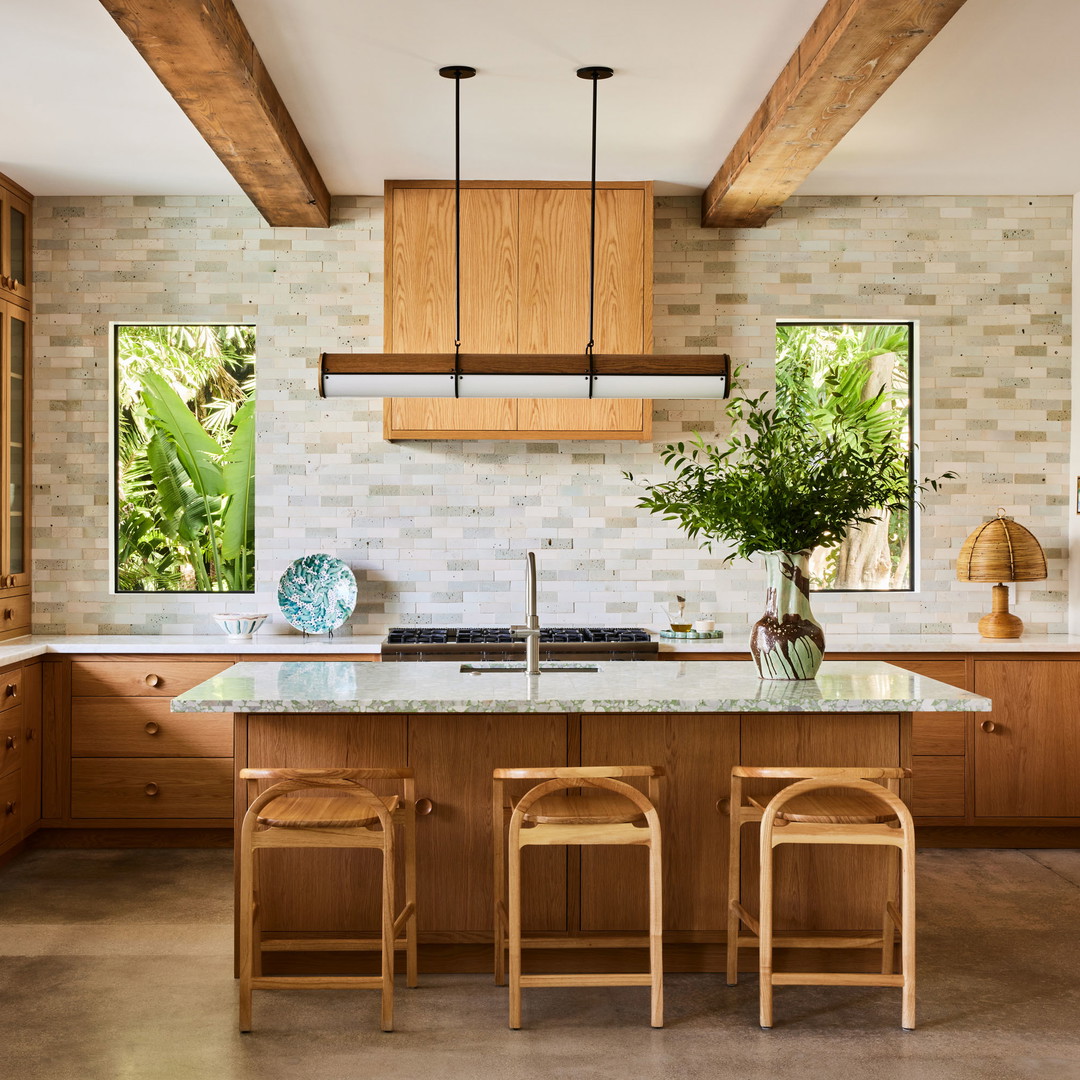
[(152, 788), (141, 678), (144, 727), (952, 671), (14, 613), (11, 740), (939, 733), (10, 809), (11, 689), (938, 786)]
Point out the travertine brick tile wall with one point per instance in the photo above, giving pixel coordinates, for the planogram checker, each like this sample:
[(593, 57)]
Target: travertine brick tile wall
[(437, 530)]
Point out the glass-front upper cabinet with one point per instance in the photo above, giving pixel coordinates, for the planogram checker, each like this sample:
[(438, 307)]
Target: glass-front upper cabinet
[(15, 458), (14, 240)]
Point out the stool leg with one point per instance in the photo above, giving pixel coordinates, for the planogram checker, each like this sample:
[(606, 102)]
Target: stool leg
[(247, 929), (734, 893), (888, 935), (656, 931), (514, 912), (410, 898), (765, 937), (256, 917), (498, 837), (387, 1002), (907, 931)]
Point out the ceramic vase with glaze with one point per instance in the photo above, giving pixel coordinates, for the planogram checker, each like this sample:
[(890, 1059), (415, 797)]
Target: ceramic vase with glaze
[(787, 642)]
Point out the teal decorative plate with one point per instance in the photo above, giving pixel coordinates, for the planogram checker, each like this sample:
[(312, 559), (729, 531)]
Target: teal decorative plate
[(317, 594)]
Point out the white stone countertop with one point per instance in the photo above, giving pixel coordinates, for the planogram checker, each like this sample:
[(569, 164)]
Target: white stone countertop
[(20, 649), (647, 686), (26, 648), (891, 643)]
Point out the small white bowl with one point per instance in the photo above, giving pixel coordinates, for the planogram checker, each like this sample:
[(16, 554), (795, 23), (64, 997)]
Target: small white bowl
[(240, 627)]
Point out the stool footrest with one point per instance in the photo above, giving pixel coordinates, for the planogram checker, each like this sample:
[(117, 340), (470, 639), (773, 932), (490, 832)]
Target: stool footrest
[(834, 978), (614, 979), (372, 944), (622, 942), (316, 982), (811, 941)]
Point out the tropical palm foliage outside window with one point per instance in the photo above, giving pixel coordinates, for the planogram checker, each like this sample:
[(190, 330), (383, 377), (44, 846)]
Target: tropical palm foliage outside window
[(185, 458), (825, 367)]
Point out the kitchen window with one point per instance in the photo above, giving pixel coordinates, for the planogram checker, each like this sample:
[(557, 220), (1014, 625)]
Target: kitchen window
[(861, 360), (184, 445)]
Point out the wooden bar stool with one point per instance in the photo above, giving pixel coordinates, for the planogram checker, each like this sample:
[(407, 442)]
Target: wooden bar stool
[(608, 811), (328, 808), (825, 806)]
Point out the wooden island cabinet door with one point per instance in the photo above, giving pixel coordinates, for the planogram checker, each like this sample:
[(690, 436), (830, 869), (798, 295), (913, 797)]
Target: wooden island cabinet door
[(327, 890), (1027, 751), (698, 751), (453, 757), (827, 887)]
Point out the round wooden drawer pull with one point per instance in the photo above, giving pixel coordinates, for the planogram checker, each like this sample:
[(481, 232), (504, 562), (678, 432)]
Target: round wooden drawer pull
[(151, 789), (152, 680), (151, 728), (9, 614), (723, 806), (988, 726), (10, 742), (424, 807), (9, 808), (11, 690)]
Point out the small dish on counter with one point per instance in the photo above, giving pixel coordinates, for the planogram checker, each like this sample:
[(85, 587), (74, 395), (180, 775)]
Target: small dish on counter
[(240, 627)]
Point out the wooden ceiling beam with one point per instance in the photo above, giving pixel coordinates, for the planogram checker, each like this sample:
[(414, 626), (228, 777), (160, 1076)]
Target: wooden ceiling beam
[(850, 56), (204, 56)]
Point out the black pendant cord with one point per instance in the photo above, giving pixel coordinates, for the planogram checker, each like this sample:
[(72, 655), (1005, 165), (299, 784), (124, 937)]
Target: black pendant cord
[(595, 74), (457, 72)]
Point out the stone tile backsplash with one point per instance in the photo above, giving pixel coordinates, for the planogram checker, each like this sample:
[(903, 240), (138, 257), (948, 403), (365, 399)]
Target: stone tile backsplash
[(436, 531)]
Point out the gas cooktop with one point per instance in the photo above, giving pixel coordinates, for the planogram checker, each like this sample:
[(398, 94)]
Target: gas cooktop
[(502, 635)]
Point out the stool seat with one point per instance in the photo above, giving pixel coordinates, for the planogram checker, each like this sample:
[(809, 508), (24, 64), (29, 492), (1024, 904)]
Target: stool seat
[(833, 806), (323, 811), (603, 808)]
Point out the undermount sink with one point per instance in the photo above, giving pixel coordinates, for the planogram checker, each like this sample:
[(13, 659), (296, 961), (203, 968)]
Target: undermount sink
[(481, 669)]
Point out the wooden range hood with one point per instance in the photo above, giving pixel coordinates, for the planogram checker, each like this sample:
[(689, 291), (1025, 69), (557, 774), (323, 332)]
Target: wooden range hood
[(502, 375)]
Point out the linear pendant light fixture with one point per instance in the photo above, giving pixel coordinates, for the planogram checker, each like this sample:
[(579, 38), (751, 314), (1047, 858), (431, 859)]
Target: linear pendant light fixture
[(506, 375)]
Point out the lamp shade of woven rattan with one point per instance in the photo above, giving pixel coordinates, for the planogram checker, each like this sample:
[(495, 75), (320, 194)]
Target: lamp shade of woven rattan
[(1001, 550)]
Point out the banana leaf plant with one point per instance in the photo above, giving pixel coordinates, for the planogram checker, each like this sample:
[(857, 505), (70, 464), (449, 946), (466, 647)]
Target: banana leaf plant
[(187, 494)]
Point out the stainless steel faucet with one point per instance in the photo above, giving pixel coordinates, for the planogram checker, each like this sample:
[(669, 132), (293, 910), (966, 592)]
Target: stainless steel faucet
[(531, 630)]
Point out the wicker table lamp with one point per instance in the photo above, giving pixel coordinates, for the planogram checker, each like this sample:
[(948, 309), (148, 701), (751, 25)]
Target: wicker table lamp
[(999, 550)]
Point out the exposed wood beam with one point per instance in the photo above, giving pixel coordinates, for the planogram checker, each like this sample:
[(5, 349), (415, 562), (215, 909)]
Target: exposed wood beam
[(849, 57), (203, 54)]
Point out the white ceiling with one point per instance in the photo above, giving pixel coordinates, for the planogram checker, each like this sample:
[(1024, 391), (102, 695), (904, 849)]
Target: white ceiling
[(970, 116)]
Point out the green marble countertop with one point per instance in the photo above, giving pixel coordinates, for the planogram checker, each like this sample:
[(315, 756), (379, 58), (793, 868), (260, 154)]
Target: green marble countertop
[(856, 686)]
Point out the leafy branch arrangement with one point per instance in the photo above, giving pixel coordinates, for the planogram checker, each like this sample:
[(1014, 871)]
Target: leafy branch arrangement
[(823, 461)]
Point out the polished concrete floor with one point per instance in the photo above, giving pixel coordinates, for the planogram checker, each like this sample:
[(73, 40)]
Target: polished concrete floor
[(116, 965)]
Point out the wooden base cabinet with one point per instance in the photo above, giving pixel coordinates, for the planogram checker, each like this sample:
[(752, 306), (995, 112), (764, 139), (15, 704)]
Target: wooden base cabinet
[(698, 753), (566, 891), (1027, 751), (20, 754)]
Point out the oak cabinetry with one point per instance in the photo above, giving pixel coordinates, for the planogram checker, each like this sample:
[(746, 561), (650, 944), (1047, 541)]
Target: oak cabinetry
[(15, 245), (1027, 751), (132, 760), (15, 220), (454, 757), (20, 754), (14, 469), (939, 745), (697, 753), (524, 289)]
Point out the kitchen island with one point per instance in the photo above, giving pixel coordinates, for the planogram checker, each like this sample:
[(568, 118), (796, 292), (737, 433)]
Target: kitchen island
[(453, 728)]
